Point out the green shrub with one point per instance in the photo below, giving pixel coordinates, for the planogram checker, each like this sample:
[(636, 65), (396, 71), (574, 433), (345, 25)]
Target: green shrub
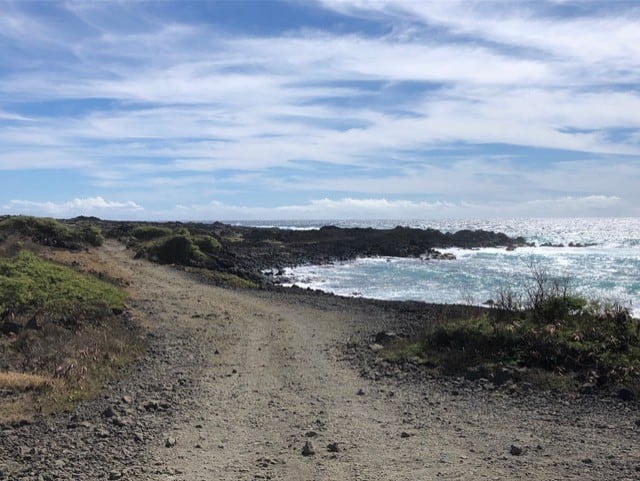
[(150, 232), (42, 230), (51, 232), (177, 249), (548, 328), (207, 244), (91, 234)]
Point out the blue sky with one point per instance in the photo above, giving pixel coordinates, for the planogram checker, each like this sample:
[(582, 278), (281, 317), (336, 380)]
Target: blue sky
[(319, 110)]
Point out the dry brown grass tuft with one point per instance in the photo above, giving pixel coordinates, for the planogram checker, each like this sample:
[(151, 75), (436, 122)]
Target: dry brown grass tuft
[(20, 381)]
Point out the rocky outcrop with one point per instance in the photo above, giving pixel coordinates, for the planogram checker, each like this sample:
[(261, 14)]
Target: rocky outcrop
[(262, 248), (248, 251)]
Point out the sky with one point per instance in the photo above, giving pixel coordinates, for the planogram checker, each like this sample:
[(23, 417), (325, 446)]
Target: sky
[(329, 109)]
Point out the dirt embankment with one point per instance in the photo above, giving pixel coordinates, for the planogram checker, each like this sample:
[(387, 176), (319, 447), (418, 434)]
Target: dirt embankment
[(236, 383)]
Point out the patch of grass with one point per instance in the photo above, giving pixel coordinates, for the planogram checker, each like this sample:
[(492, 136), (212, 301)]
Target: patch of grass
[(233, 239), (65, 334), (224, 279), (31, 286)]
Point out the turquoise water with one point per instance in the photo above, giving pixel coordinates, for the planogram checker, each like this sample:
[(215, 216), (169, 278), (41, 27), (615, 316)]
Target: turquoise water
[(607, 270)]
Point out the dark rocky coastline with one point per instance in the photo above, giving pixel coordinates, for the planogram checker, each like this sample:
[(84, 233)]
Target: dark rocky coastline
[(248, 251)]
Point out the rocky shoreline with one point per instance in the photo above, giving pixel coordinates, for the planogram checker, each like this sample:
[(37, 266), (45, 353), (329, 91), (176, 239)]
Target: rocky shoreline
[(250, 251)]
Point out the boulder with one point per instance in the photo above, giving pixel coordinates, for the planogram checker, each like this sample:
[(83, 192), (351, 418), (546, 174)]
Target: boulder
[(386, 337)]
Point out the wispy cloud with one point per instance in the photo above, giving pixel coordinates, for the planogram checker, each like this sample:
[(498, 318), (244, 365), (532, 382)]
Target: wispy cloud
[(431, 100)]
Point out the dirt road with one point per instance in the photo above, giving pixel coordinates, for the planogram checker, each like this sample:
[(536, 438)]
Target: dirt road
[(270, 375)]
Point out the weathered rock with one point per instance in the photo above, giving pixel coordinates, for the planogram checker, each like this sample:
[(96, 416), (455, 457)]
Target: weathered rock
[(333, 448), (170, 442), (9, 327), (386, 337), (151, 405), (308, 449), (109, 412), (587, 388), (477, 372), (33, 324), (501, 377), (120, 421), (626, 394)]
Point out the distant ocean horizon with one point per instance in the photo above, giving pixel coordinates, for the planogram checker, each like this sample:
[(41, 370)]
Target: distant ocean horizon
[(608, 268)]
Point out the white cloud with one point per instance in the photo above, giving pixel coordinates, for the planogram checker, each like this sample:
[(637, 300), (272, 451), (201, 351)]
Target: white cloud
[(86, 206), (605, 41), (188, 104)]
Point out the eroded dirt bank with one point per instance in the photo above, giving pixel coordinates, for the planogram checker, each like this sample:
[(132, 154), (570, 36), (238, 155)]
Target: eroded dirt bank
[(236, 382)]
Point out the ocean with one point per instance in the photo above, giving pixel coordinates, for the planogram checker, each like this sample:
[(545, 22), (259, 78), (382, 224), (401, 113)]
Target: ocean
[(607, 268)]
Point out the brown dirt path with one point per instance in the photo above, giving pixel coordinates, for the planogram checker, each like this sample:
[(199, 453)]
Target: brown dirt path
[(270, 375)]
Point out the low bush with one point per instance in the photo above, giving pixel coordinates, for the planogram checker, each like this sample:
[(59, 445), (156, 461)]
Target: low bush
[(51, 232), (150, 232), (175, 249), (548, 328), (207, 243), (91, 234)]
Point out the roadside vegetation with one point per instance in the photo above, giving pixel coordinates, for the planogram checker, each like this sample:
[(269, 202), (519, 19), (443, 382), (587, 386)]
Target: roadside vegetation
[(194, 251), (62, 332), (172, 246), (543, 334), (50, 232)]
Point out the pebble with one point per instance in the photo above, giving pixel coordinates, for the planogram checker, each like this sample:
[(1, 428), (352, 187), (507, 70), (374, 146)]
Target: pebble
[(308, 449), (333, 448), (170, 442), (515, 450), (108, 412)]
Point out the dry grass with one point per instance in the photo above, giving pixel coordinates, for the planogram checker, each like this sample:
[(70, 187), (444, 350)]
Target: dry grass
[(20, 381), (88, 262)]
